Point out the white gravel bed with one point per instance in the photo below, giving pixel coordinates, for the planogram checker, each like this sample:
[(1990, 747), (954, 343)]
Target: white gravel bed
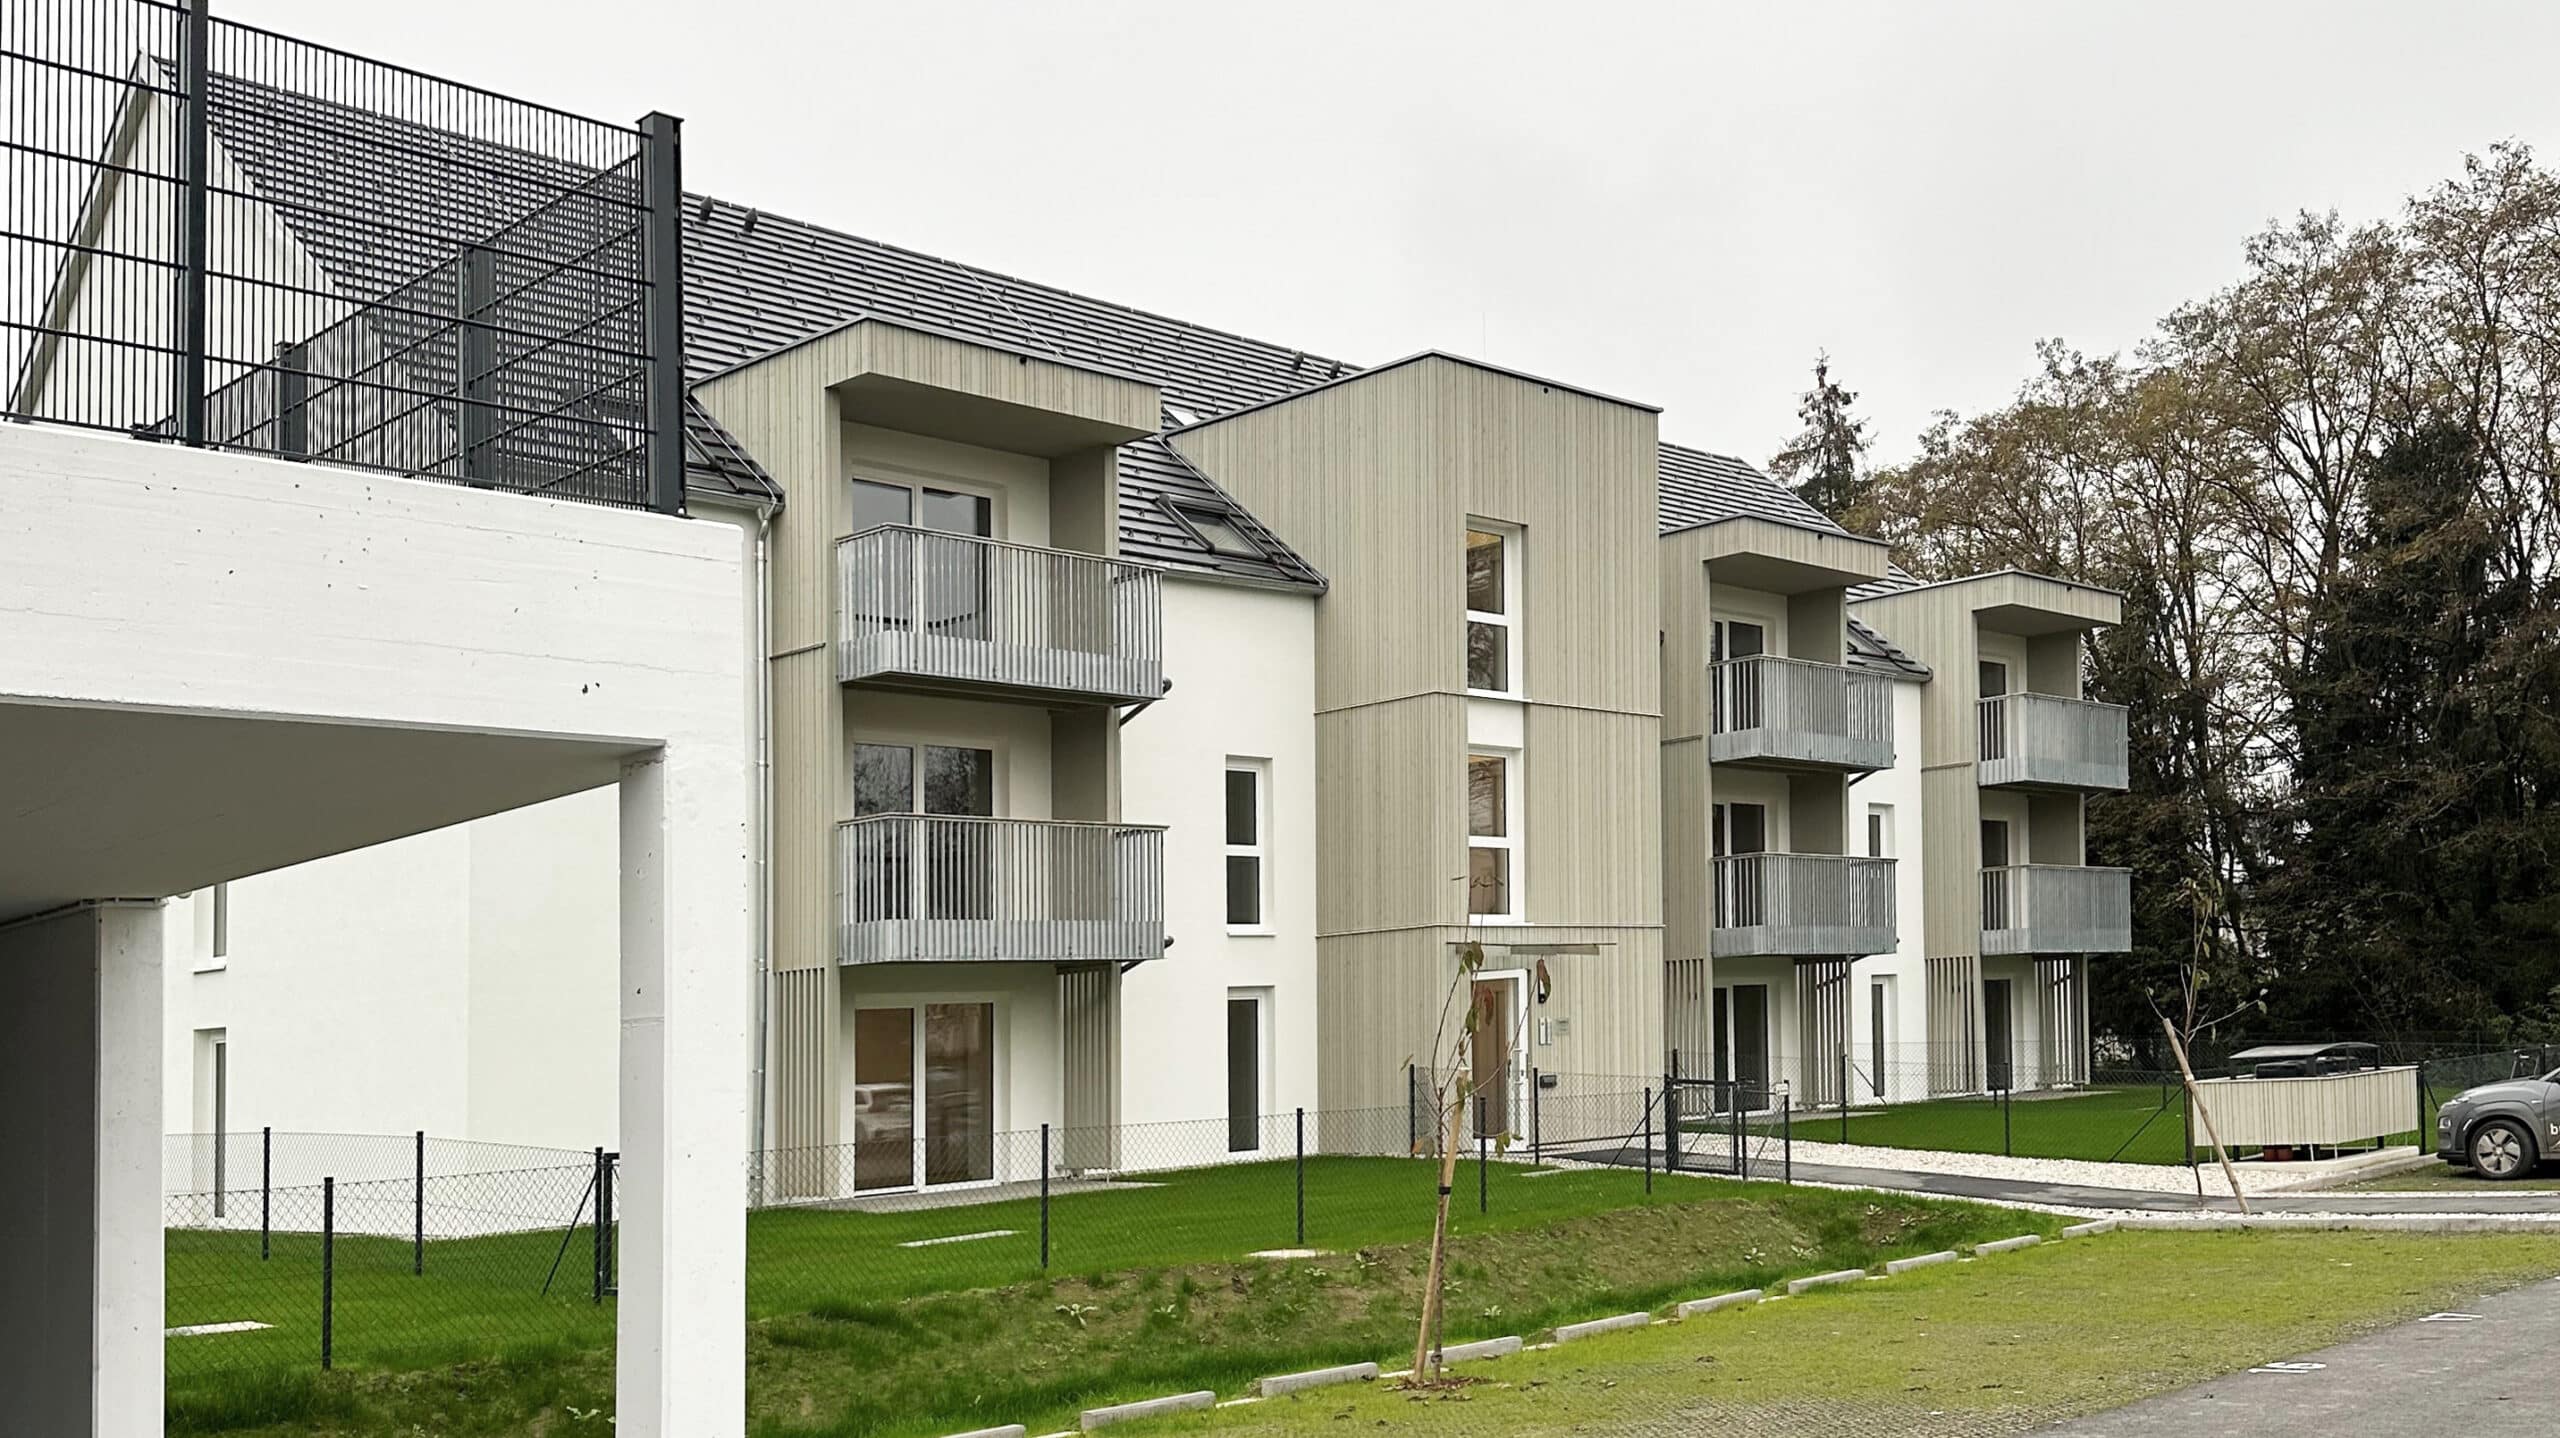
[(2143, 1177)]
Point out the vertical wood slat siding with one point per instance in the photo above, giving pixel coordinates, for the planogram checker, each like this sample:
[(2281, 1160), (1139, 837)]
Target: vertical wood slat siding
[(1822, 1010), (1373, 480), (1089, 1035), (1593, 828), (1390, 814)]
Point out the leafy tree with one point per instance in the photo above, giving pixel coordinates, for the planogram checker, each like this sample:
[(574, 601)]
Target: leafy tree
[(1825, 464)]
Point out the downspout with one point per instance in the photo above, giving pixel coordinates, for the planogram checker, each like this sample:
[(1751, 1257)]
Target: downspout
[(764, 846)]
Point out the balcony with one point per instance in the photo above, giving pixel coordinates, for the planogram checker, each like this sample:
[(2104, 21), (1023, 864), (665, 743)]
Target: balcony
[(2043, 741), (917, 608), (2056, 909), (1803, 905), (930, 888), (1773, 710)]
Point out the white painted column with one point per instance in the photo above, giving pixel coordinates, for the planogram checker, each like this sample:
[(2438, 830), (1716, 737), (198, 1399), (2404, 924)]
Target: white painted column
[(686, 935), (81, 1275)]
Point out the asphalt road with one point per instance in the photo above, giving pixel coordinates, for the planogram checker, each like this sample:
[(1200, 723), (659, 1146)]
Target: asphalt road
[(2488, 1375)]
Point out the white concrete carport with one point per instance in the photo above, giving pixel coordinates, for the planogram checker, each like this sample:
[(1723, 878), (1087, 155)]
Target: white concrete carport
[(213, 665)]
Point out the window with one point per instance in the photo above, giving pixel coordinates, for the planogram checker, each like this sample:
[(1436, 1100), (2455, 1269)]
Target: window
[(1244, 1071), (1493, 836), (942, 510), (1219, 532), (222, 921), (1736, 639), (1248, 844), (1995, 678), (1879, 831), (1493, 611)]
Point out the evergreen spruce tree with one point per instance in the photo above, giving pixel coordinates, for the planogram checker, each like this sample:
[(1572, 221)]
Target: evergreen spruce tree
[(1824, 464)]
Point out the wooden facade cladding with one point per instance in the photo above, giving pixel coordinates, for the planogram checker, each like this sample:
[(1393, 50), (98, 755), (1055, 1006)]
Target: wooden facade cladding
[(793, 410), (1375, 479)]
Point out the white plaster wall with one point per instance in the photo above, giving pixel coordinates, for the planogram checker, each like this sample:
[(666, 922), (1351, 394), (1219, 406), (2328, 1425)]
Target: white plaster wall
[(1899, 786), (541, 948), (1243, 669), (185, 583)]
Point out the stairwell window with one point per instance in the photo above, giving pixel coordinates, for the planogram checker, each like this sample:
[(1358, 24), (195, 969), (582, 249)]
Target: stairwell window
[(1248, 835), (1493, 609), (1493, 836)]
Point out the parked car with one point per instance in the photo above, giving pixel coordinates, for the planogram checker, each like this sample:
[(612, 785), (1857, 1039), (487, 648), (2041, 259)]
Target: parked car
[(2501, 1130)]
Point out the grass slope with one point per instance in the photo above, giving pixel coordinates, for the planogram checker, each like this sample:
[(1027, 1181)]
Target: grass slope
[(909, 1351)]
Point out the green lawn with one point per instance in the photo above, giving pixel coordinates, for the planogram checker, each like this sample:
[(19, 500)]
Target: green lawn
[(1151, 1291), (1993, 1347), (483, 1295)]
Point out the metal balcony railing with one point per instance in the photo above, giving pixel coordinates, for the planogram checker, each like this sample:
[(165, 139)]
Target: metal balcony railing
[(2056, 909), (2046, 741), (1803, 904), (1772, 709), (948, 889), (956, 611)]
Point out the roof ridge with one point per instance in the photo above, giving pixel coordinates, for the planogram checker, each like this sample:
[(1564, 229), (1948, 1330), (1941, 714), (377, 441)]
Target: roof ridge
[(982, 274)]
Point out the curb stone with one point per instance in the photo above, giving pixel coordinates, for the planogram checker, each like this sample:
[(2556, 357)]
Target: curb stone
[(1278, 1384), (1093, 1418), (1823, 1280), (2009, 1245), (1568, 1332), (1696, 1306), (1009, 1430), (1484, 1348), (1926, 1260), (2091, 1229)]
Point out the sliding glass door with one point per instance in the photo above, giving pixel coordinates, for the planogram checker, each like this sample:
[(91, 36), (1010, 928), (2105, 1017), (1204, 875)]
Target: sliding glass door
[(924, 1095)]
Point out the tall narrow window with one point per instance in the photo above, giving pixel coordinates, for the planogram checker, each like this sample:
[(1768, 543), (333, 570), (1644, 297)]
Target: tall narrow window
[(1244, 1072), (222, 921), (1493, 836), (1493, 611), (1879, 831), (1248, 845)]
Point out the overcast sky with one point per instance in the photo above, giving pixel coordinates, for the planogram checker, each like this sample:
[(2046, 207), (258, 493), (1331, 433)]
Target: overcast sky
[(1675, 203)]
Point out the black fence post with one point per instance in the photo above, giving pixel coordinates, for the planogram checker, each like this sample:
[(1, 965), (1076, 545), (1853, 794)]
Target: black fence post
[(1044, 1198), (606, 1287), (475, 364), (1537, 1155), (1302, 1175), (194, 199), (662, 307), (328, 1268), (1741, 1141), (266, 1191), (1484, 1144), (1648, 1140), (418, 1212), (1787, 1136), (292, 374), (1670, 1123), (2426, 1126), (1412, 1135), (2008, 1149), (1844, 1093), (596, 1249)]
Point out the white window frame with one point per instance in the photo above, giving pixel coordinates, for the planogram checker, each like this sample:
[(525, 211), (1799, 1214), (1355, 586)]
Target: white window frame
[(1266, 1064), (1259, 850), (1509, 620), (1514, 819), (1880, 835)]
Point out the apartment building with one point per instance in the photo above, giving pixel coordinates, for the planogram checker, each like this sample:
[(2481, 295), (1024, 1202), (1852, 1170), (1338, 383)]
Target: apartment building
[(1146, 714)]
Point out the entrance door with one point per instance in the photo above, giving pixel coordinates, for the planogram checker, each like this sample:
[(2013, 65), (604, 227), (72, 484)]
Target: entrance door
[(1497, 1009), (1751, 1043), (1720, 1041), (946, 1054), (1244, 1073), (1999, 1068)]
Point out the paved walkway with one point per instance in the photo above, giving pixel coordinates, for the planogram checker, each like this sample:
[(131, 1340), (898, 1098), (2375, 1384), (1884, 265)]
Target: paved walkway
[(2484, 1374)]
